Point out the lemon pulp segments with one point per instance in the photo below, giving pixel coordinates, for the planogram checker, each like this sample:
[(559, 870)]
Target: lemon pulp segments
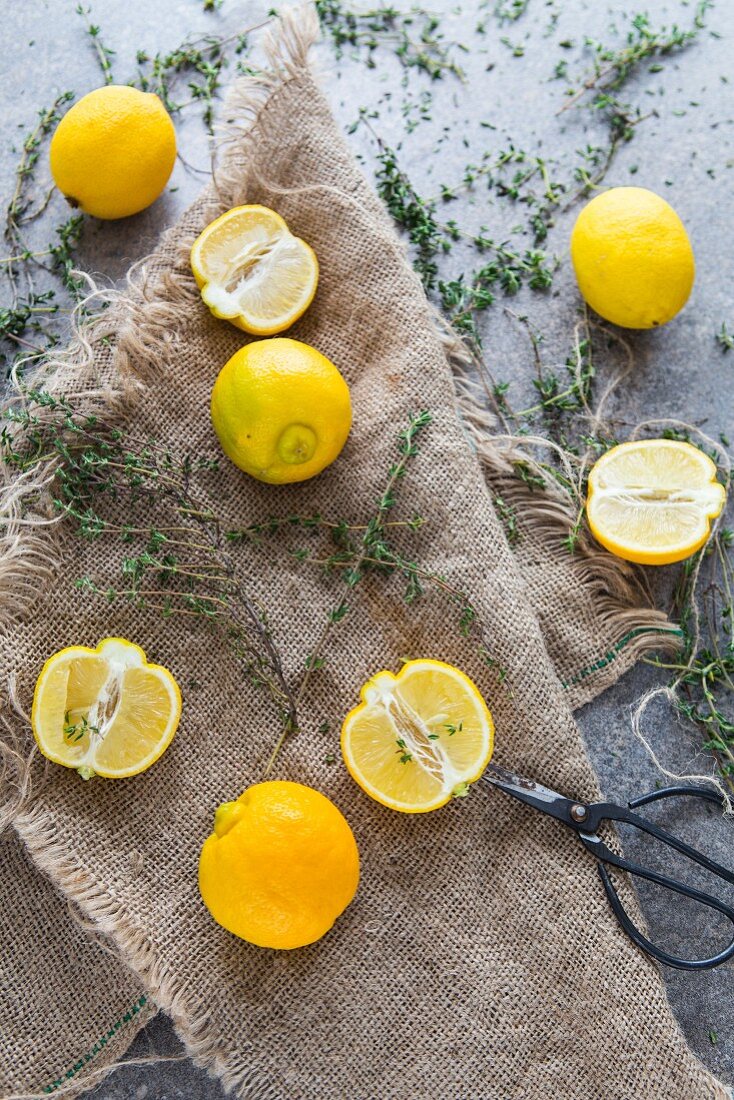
[(252, 271), (419, 737), (651, 501), (105, 711)]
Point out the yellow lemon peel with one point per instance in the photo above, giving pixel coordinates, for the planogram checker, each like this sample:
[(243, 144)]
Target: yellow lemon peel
[(632, 257), (280, 867), (281, 410), (113, 151)]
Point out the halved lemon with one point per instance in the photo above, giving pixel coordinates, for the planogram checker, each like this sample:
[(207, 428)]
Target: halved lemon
[(652, 501), (252, 271), (419, 738), (104, 711)]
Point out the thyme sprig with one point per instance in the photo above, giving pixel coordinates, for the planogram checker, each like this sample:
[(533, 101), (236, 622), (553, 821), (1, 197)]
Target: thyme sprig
[(612, 69), (29, 307), (75, 731), (513, 173), (172, 550), (724, 338), (462, 298), (371, 551), (103, 53), (24, 205), (415, 215), (702, 678), (198, 65), (413, 36)]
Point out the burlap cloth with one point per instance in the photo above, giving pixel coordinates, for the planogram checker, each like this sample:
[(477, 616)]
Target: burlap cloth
[(480, 958)]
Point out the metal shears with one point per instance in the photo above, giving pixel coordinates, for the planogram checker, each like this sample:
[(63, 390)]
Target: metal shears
[(586, 818)]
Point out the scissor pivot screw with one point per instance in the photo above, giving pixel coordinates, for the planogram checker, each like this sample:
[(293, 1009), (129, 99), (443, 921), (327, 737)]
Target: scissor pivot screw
[(579, 812)]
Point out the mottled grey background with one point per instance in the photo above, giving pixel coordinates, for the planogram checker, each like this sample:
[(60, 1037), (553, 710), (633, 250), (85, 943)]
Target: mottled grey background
[(684, 152)]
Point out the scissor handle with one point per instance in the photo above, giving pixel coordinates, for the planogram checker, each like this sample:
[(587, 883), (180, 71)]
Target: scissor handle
[(677, 792), (605, 855), (670, 884), (609, 811)]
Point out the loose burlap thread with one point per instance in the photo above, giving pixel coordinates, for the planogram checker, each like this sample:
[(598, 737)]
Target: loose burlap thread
[(480, 958)]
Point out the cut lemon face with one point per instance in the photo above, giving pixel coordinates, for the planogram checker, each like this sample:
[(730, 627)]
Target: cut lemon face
[(652, 501), (252, 271), (419, 738), (104, 711)]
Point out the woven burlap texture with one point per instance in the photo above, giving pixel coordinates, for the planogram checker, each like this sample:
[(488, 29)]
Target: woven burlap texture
[(479, 958)]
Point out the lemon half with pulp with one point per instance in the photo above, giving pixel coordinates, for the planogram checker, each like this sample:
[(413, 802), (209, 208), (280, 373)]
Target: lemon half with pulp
[(417, 739), (252, 271), (652, 500), (104, 711)]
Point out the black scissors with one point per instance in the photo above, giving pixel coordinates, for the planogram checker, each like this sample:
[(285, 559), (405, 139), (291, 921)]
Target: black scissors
[(586, 817)]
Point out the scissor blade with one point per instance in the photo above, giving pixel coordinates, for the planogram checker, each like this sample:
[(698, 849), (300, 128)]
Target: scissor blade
[(530, 792)]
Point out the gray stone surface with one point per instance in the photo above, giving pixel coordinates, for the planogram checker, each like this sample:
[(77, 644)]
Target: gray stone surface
[(683, 152)]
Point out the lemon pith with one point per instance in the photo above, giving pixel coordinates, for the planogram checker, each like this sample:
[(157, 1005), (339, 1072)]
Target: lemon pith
[(253, 271), (632, 257), (113, 151), (652, 501), (281, 865), (104, 711), (419, 737), (281, 410)]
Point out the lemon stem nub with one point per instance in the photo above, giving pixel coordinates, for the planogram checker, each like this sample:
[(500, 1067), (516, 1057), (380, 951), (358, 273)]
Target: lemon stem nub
[(227, 815), (297, 444)]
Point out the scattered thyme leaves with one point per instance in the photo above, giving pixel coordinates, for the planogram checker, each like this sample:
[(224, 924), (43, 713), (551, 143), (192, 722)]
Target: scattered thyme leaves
[(509, 11), (613, 68), (413, 36), (179, 566), (725, 339), (402, 751), (196, 67), (75, 731)]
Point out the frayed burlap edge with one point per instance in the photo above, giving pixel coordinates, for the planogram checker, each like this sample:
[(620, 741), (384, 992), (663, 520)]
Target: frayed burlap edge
[(194, 1026), (138, 324), (616, 587)]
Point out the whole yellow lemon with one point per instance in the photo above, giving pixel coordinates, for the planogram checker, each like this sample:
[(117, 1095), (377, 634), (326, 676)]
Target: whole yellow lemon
[(113, 151), (281, 410), (632, 257), (281, 865)]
